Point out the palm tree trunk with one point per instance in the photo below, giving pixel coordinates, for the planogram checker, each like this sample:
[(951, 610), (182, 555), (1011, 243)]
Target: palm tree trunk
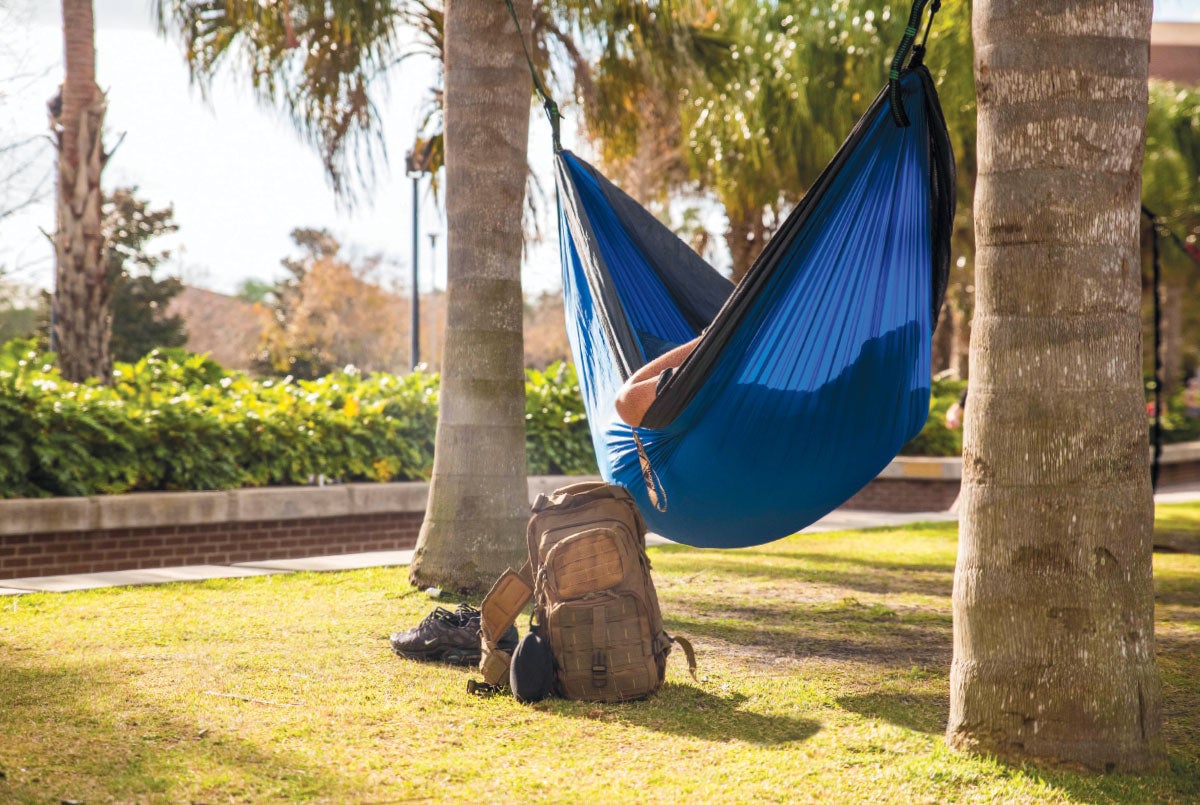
[(81, 320), (478, 501), (960, 347), (943, 340), (1053, 600), (745, 239)]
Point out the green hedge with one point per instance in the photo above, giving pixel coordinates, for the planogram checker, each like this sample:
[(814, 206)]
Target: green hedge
[(935, 439), (175, 421), (557, 439), (1177, 427)]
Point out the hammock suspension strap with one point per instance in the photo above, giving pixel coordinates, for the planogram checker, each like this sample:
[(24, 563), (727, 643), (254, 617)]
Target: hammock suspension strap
[(654, 487), (552, 113), (918, 55)]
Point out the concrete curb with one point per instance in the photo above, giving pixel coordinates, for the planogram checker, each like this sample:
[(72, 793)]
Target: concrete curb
[(345, 561), (130, 578)]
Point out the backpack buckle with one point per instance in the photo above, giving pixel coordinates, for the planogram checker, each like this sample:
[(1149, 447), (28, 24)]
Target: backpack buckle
[(481, 689), (599, 670)]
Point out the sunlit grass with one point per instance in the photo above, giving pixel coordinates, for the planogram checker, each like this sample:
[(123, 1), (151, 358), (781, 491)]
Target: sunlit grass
[(1177, 527), (823, 676)]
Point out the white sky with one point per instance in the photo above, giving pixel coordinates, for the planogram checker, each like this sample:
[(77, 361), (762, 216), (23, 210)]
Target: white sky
[(238, 174)]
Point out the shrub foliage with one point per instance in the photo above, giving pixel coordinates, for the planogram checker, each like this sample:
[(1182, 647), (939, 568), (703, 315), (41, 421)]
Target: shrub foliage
[(935, 439), (174, 421)]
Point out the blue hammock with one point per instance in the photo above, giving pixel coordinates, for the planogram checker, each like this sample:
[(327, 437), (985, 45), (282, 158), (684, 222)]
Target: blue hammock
[(811, 374)]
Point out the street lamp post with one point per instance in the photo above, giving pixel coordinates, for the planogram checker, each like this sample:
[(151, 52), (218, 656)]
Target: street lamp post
[(418, 162), (413, 165), (433, 319)]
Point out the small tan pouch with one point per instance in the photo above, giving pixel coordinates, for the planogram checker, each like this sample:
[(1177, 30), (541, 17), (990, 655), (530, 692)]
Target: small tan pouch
[(587, 562)]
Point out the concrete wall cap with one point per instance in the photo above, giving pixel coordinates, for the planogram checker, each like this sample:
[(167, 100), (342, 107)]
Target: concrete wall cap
[(150, 509), (368, 498), (44, 515), (947, 468), (1179, 453), (290, 503)]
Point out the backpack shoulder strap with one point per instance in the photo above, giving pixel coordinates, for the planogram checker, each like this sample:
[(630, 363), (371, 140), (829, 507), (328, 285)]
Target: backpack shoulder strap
[(499, 610), (688, 651)]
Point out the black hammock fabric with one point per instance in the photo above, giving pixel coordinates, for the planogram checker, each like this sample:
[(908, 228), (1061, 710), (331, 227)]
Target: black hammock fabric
[(811, 373)]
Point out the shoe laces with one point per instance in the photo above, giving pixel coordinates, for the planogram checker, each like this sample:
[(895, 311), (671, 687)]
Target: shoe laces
[(459, 617)]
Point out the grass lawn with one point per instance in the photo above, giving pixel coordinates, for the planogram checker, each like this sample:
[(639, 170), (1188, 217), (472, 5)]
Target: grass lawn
[(823, 677)]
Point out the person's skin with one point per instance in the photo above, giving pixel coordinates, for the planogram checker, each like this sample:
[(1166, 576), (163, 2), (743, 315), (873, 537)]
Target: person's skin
[(635, 396), (954, 417), (1191, 396)]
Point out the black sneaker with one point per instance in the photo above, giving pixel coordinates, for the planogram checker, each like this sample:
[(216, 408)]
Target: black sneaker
[(445, 636)]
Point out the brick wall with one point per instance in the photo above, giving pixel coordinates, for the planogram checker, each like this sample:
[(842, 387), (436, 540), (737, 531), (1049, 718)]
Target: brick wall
[(1175, 63), (1178, 473), (168, 529), (905, 495), (1175, 51), (63, 552)]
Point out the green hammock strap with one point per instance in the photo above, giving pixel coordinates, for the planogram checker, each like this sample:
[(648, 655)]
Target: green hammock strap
[(906, 45), (552, 113)]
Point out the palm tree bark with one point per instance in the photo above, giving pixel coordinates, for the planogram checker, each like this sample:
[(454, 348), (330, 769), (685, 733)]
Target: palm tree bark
[(478, 501), (960, 352), (746, 238), (943, 340), (1053, 597), (81, 320)]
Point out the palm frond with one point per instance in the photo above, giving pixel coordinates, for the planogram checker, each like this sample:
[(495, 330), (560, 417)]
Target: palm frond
[(320, 60)]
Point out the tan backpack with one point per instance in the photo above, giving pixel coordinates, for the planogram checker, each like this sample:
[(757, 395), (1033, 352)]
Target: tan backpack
[(589, 577)]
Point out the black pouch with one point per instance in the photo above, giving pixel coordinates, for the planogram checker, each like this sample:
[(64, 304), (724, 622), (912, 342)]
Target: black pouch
[(531, 673)]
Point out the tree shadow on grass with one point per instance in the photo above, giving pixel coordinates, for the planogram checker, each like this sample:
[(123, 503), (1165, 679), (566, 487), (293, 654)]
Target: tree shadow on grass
[(1182, 591), (1179, 669), (849, 632), (922, 712), (83, 734), (690, 711), (881, 578), (1176, 530), (1177, 781)]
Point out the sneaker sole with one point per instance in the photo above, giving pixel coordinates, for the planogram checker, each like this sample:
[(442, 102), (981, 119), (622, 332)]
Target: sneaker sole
[(451, 655)]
